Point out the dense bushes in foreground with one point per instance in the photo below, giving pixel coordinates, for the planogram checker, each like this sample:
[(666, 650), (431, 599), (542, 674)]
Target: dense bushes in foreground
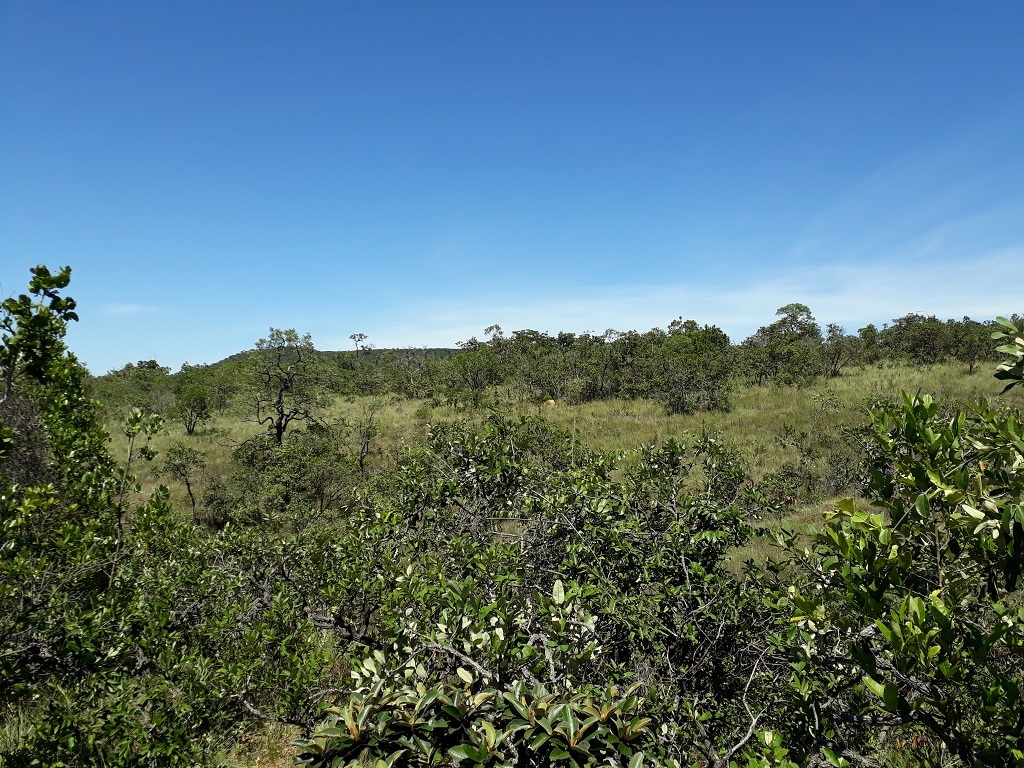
[(501, 596)]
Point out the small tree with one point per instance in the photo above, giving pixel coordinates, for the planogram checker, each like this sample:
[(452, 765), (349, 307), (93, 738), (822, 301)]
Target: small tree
[(288, 382), (971, 342), (839, 349), (785, 352), (182, 463), (192, 405), (357, 339), (698, 365), (367, 429)]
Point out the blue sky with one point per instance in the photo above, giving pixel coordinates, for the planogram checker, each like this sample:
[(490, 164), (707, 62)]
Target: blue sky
[(417, 171)]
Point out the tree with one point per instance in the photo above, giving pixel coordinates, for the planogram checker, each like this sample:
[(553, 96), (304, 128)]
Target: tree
[(796, 320), (472, 370), (57, 561), (145, 385), (785, 352), (970, 341), (357, 339), (182, 463), (870, 343), (192, 405), (919, 338), (839, 349), (288, 382), (698, 366), (127, 636), (32, 326)]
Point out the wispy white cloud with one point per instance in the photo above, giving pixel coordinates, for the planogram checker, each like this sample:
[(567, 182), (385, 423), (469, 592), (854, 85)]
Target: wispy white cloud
[(936, 231), (959, 182), (853, 295)]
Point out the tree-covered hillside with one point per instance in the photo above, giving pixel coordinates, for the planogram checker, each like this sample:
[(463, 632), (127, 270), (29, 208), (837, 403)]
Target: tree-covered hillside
[(688, 367)]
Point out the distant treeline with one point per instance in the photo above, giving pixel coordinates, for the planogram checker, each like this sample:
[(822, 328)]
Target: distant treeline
[(688, 366)]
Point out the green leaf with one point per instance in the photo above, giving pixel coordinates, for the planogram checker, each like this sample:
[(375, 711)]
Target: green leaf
[(459, 752), (490, 736), (558, 593), (538, 742), (427, 700), (874, 686), (891, 697)]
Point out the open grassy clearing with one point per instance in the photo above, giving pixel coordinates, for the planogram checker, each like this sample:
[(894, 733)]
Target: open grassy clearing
[(768, 425)]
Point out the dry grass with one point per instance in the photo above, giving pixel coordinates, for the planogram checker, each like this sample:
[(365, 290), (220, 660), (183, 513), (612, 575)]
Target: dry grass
[(756, 424), (268, 748)]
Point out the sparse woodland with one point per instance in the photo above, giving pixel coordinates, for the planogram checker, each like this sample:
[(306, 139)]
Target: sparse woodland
[(802, 549)]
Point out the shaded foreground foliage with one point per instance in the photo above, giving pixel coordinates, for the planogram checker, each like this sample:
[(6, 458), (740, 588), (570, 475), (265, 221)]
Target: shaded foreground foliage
[(502, 595)]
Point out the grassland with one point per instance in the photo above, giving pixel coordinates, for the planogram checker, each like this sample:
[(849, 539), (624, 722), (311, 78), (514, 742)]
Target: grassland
[(772, 427)]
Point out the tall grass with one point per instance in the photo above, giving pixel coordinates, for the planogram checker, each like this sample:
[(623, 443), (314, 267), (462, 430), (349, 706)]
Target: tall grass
[(762, 422)]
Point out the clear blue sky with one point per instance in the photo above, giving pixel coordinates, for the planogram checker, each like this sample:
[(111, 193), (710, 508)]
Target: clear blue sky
[(417, 171)]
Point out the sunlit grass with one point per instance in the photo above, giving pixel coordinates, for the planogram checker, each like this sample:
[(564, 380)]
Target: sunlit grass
[(756, 424)]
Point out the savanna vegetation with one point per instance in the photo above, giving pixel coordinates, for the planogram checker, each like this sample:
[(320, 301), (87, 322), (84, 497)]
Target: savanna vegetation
[(627, 549)]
